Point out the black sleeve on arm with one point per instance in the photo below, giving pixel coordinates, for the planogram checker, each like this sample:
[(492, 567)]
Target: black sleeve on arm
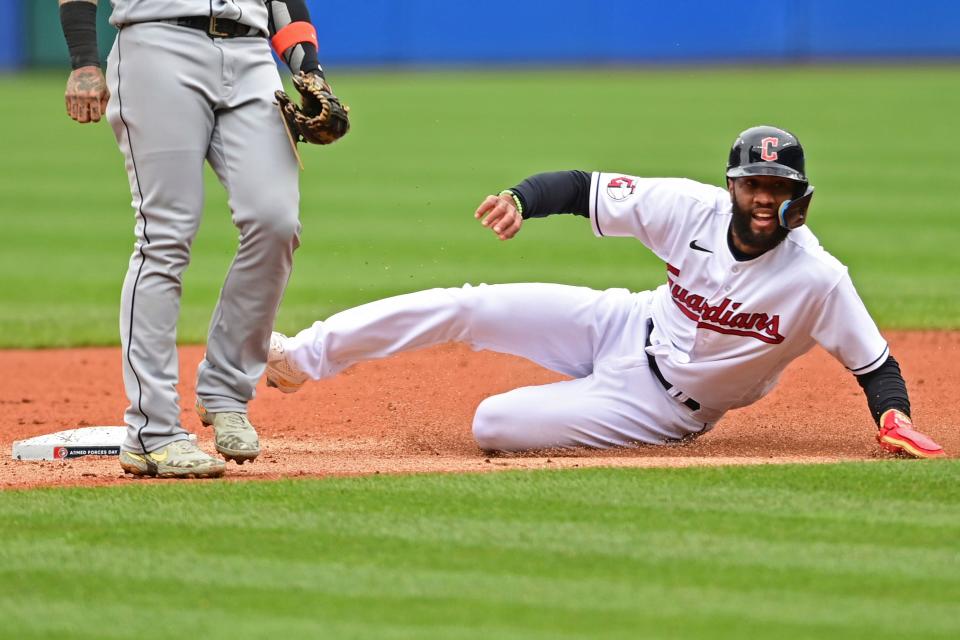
[(302, 56), (79, 23), (885, 389), (544, 194)]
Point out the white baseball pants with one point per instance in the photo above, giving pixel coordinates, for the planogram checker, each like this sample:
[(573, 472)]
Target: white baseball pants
[(596, 337)]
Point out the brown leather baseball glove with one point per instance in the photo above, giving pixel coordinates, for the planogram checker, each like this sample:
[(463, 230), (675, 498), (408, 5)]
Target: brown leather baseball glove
[(320, 118)]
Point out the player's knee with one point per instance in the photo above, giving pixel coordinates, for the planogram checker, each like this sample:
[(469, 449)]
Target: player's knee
[(279, 230), (492, 428), (269, 213), (167, 254), (286, 229)]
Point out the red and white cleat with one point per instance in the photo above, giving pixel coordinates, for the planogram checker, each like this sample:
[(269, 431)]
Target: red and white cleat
[(897, 435)]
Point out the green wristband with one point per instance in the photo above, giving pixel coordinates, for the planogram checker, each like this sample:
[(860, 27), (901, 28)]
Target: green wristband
[(516, 200)]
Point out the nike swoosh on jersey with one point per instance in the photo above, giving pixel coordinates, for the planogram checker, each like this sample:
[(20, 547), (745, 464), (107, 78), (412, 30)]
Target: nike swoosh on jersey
[(696, 247)]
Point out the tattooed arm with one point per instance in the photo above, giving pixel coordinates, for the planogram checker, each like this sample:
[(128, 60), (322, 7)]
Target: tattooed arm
[(86, 95)]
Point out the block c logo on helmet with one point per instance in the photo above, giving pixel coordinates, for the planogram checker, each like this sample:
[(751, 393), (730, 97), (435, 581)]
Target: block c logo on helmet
[(765, 152)]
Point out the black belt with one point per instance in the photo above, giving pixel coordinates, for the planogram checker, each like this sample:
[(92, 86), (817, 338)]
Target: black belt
[(692, 404), (216, 27)]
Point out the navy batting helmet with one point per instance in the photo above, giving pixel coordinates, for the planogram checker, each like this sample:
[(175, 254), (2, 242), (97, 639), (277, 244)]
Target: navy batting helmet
[(767, 151), (770, 151)]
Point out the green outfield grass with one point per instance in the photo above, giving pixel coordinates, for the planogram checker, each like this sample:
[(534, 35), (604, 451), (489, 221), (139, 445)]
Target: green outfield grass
[(866, 550), (388, 210)]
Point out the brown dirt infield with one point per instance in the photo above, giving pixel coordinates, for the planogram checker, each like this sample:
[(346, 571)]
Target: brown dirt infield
[(412, 413)]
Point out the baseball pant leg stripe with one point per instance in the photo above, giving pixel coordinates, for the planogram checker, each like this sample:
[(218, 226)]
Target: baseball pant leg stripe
[(140, 247), (158, 74)]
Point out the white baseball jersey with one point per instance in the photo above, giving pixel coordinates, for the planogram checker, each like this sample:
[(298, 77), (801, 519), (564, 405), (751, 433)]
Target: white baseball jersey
[(724, 330), (250, 12)]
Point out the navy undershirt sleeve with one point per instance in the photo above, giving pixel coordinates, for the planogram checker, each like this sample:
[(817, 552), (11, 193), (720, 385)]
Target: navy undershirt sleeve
[(545, 194), (79, 23), (885, 389)]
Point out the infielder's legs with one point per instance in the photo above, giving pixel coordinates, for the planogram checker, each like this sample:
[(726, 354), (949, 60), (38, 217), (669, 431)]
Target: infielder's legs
[(253, 159), (162, 128)]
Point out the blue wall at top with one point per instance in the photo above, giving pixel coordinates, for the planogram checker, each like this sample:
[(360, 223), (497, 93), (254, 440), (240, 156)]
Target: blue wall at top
[(399, 32), (11, 25), (424, 31), (888, 28), (504, 31)]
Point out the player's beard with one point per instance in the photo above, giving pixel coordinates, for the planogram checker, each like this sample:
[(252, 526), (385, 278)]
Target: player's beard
[(758, 242)]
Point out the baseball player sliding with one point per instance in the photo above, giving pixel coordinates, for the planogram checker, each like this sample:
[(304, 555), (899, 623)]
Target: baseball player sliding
[(192, 81), (748, 289)]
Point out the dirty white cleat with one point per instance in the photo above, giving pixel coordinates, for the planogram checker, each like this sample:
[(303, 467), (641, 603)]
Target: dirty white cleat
[(179, 459), (234, 436), (280, 373)]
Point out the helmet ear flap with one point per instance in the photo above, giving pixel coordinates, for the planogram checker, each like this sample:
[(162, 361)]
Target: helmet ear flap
[(793, 213)]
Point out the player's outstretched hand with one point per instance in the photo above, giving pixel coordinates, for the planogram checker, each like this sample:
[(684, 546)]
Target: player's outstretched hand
[(897, 435), (87, 94), (499, 214)]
